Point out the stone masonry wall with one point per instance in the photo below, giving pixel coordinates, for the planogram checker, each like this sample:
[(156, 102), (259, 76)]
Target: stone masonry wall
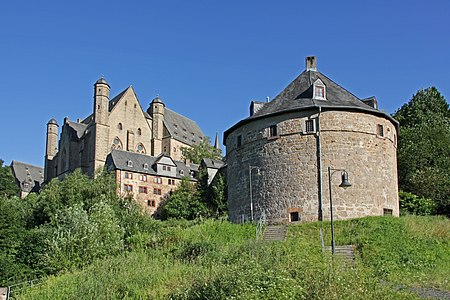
[(288, 180)]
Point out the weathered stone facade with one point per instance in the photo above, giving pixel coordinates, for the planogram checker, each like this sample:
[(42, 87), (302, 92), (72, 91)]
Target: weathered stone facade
[(292, 143), (119, 123)]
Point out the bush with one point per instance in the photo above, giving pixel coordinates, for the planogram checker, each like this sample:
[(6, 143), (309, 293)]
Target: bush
[(415, 205)]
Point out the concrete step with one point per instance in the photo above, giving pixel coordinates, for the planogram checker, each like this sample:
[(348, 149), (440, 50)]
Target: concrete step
[(346, 252), (275, 233)]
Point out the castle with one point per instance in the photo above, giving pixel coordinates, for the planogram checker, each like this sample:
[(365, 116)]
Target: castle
[(278, 157), (119, 123), (142, 147)]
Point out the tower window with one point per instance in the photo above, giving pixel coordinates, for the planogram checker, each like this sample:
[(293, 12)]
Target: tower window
[(239, 140), (319, 90), (119, 126), (309, 126), (273, 131), (380, 130), (139, 131)]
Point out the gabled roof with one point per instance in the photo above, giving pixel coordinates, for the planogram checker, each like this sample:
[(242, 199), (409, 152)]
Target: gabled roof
[(79, 128), (113, 101), (31, 174), (112, 104), (181, 128), (212, 163), (119, 160), (298, 95)]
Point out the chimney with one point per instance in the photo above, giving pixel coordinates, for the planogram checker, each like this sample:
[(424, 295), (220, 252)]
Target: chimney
[(311, 64), (187, 162)]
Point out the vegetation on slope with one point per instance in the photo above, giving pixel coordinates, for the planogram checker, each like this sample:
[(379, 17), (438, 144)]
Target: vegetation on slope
[(218, 260)]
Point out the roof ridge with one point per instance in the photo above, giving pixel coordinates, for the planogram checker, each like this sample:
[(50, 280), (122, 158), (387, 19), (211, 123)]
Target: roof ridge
[(24, 163)]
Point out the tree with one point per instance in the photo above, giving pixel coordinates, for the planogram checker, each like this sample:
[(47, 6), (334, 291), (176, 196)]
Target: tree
[(8, 186), (184, 203), (424, 148), (199, 151)]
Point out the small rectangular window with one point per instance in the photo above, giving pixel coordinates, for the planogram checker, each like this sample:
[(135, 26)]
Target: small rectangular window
[(239, 140), (273, 131), (309, 126), (143, 189), (380, 130), (128, 187), (387, 212), (157, 191), (128, 175), (319, 92)]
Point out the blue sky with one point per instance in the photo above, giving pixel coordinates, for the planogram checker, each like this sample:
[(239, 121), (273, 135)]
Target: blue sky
[(206, 59)]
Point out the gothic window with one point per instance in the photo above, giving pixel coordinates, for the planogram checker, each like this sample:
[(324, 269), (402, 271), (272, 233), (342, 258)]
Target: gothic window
[(117, 144), (139, 131), (119, 126), (140, 148)]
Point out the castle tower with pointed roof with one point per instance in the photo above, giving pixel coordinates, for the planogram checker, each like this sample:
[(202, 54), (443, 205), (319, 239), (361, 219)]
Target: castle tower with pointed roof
[(311, 125), (117, 123)]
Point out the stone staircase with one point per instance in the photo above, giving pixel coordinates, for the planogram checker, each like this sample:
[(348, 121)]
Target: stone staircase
[(275, 233), (345, 252)]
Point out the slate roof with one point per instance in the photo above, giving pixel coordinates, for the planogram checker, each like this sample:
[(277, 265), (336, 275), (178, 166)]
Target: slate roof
[(79, 128), (119, 160), (31, 174), (298, 95), (212, 163), (113, 101), (181, 128)]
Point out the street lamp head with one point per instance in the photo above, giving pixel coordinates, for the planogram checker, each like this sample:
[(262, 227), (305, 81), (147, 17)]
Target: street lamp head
[(345, 183)]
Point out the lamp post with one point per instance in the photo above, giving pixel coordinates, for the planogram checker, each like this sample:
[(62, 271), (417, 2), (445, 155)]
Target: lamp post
[(344, 184), (250, 168)]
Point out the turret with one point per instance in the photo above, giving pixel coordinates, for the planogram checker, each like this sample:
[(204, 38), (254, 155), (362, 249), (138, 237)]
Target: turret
[(52, 139), (101, 101), (156, 110), (51, 149)]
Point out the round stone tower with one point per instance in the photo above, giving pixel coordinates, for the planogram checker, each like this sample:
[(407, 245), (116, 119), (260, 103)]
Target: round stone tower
[(157, 113), (277, 158), (51, 148), (101, 101), (100, 136)]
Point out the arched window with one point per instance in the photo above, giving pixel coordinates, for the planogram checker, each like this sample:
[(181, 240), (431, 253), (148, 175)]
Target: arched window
[(119, 126), (130, 163), (117, 144), (140, 148), (139, 131)]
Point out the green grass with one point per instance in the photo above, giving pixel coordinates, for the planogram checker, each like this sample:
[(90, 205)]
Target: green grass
[(219, 260)]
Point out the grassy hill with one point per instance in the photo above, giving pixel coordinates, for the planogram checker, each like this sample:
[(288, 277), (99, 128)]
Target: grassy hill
[(219, 260)]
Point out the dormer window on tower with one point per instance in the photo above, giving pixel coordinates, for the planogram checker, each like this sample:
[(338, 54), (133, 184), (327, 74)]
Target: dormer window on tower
[(319, 90)]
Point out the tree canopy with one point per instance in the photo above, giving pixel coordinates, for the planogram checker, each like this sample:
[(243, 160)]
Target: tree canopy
[(8, 186), (424, 147), (199, 151)]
